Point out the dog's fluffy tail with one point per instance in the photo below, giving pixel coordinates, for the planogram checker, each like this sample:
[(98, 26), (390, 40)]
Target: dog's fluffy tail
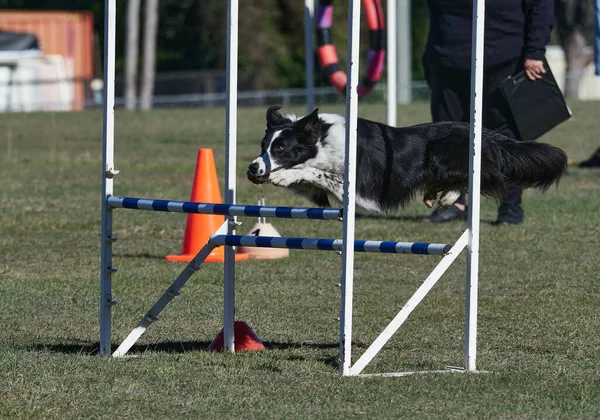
[(524, 163)]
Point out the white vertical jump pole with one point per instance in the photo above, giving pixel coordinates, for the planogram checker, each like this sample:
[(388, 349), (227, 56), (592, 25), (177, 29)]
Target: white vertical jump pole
[(392, 73), (309, 70), (347, 282), (404, 51), (108, 171), (230, 170), (472, 283)]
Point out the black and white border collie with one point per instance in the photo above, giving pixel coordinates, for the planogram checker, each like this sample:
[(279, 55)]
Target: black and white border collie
[(395, 165)]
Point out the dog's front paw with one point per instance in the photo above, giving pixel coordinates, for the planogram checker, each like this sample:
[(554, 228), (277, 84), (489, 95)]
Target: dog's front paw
[(286, 177), (279, 181)]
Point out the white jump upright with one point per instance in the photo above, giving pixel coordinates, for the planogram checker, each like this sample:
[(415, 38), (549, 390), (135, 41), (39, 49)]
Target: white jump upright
[(476, 122), (347, 282), (225, 235), (309, 56), (108, 171), (230, 172), (391, 61)]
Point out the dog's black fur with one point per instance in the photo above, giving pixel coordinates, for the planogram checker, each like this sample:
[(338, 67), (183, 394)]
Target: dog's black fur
[(394, 165)]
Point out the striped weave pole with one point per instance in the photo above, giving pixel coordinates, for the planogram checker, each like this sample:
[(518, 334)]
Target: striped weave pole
[(224, 209), (331, 244)]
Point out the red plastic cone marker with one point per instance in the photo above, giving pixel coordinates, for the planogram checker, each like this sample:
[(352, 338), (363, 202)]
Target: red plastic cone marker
[(245, 339)]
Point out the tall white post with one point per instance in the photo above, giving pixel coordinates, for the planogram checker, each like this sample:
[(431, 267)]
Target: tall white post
[(230, 171), (349, 187), (132, 53), (404, 36), (108, 171), (309, 54), (392, 74), (149, 65), (476, 121)]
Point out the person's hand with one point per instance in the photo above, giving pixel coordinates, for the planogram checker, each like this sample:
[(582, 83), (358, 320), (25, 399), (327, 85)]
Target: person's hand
[(534, 69)]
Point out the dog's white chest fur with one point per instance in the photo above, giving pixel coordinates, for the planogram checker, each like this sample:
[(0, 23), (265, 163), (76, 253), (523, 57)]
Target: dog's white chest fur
[(304, 180), (301, 178)]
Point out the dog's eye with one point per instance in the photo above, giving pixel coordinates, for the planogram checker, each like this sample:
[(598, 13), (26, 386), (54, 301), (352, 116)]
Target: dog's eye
[(278, 148)]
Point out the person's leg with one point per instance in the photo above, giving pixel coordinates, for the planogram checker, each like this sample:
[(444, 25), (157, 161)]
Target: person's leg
[(497, 117), (510, 211), (597, 35), (448, 103)]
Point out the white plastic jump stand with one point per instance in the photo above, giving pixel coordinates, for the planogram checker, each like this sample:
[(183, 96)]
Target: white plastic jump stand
[(262, 228)]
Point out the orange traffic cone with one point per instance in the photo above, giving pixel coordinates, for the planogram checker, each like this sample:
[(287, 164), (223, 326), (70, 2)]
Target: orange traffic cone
[(199, 227), (245, 339)]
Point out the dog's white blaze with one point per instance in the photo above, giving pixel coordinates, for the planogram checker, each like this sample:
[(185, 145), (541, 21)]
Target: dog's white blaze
[(262, 166), (275, 135)]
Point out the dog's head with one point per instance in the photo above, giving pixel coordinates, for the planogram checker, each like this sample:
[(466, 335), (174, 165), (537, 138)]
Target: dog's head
[(286, 144)]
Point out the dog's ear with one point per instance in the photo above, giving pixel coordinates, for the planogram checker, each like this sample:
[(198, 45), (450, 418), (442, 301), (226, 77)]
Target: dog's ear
[(274, 118), (308, 128)]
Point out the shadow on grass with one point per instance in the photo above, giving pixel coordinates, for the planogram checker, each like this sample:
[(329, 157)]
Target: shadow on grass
[(161, 347), (418, 219), (143, 255)]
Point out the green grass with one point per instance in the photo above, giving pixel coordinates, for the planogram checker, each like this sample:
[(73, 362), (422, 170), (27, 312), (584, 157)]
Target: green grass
[(539, 289)]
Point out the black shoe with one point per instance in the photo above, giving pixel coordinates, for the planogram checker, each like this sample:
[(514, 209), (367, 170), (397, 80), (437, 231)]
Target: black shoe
[(443, 216), (510, 211), (506, 222), (592, 162)]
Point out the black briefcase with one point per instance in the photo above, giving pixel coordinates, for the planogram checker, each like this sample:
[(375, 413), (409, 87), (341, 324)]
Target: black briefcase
[(536, 106)]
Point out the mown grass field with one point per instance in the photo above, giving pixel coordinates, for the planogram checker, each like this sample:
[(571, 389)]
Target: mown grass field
[(539, 321)]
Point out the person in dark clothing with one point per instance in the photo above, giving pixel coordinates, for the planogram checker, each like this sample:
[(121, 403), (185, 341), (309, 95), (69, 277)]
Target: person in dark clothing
[(516, 35), (594, 160)]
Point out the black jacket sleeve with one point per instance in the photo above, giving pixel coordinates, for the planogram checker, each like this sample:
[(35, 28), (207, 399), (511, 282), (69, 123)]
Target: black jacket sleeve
[(539, 19)]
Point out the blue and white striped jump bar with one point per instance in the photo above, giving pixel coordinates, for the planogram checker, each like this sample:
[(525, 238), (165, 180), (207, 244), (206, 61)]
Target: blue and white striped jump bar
[(331, 244), (223, 209)]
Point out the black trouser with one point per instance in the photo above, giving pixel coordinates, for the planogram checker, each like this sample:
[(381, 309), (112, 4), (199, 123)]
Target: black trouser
[(451, 101)]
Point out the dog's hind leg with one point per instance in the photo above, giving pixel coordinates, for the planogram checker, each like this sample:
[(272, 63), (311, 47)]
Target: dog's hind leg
[(448, 198)]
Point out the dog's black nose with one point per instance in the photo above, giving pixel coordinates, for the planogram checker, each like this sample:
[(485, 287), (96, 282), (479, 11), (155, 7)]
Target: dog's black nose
[(253, 168)]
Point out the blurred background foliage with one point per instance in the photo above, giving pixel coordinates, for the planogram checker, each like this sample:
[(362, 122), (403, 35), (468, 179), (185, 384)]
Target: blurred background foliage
[(192, 35)]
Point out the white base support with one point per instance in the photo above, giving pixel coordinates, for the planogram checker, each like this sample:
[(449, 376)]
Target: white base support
[(168, 295), (412, 303), (132, 338), (448, 369)]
